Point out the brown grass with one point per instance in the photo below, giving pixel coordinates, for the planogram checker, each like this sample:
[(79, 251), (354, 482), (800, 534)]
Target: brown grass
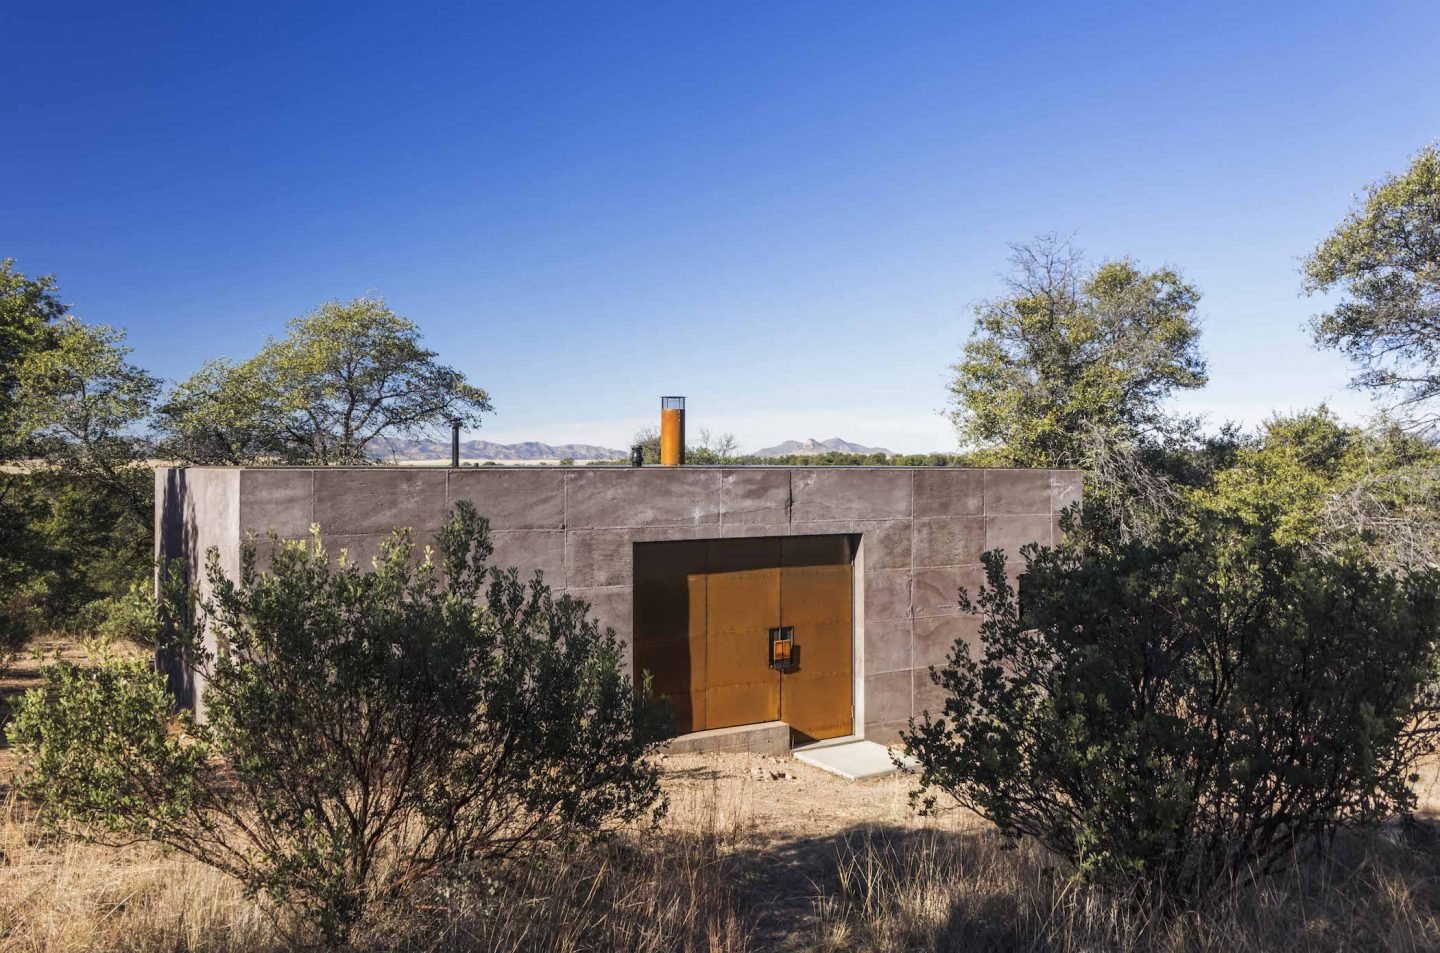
[(722, 877), (636, 892), (756, 854), (936, 891)]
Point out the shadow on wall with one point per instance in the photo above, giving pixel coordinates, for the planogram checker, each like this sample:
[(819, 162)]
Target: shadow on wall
[(177, 536)]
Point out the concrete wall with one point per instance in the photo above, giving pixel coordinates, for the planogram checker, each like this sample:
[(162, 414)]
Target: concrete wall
[(922, 532), (196, 510)]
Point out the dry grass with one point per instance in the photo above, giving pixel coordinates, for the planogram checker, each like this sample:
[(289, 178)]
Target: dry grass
[(61, 895), (637, 892), (954, 891), (721, 877), (756, 854)]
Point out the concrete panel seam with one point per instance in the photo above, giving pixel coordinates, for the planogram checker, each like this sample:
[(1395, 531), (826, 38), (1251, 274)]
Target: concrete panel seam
[(565, 526)]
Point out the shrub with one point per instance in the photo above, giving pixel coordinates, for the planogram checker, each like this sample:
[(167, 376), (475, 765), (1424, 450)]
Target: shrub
[(19, 617), (131, 616), (367, 733), (1176, 716)]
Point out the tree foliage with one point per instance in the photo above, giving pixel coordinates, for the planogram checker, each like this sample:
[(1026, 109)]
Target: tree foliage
[(370, 731), (1180, 714), (75, 493), (345, 375), (28, 309), (1385, 257), (1316, 481), (1070, 350), (82, 405)]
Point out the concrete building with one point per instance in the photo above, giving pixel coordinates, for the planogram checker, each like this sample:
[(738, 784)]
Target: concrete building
[(809, 601)]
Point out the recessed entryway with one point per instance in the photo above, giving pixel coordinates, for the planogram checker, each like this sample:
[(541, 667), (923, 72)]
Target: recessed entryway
[(743, 631)]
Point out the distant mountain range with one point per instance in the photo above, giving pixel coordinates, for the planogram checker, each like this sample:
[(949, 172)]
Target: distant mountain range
[(397, 449), (420, 450), (812, 446)]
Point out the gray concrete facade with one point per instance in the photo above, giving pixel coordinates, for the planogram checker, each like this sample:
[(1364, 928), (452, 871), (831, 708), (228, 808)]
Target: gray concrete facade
[(921, 531)]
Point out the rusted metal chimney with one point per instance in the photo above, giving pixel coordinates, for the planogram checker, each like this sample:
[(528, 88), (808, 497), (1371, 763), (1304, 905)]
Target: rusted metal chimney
[(672, 431)]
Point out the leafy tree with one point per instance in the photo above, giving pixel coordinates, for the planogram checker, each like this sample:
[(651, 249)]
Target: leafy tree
[(370, 732), (344, 376), (81, 406), (28, 309), (1313, 480), (81, 403), (712, 448), (1392, 515), (75, 515), (224, 414), (1385, 257), (1179, 714), (1071, 351), (648, 440), (1283, 478)]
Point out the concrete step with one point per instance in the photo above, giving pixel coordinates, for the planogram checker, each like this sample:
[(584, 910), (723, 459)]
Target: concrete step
[(853, 758), (768, 737)]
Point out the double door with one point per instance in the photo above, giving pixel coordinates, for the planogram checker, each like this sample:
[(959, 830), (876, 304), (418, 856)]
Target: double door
[(736, 632), (778, 648)]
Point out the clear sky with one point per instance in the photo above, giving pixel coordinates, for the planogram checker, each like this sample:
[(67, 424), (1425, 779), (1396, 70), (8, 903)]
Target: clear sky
[(784, 211)]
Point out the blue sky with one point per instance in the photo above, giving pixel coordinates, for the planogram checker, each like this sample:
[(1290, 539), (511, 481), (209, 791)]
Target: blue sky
[(785, 211)]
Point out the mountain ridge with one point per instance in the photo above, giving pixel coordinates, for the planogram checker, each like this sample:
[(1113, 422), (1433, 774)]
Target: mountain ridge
[(402, 449), (812, 447)]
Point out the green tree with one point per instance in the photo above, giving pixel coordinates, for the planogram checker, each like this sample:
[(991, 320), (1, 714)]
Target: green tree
[(1071, 355), (1385, 257), (29, 307), (75, 491), (1313, 480), (345, 376), (370, 733), (711, 449), (82, 405), (1179, 715), (224, 414), (648, 440)]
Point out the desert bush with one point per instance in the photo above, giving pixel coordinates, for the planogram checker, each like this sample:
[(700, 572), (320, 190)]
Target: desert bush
[(130, 616), (1178, 715), (368, 732)]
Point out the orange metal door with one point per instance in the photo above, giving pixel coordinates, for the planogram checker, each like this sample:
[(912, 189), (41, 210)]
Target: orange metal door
[(816, 697), (669, 627), (704, 611), (740, 609)]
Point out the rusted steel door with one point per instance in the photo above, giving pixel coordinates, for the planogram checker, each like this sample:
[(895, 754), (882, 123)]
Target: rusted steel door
[(815, 698), (740, 609), (669, 627), (704, 613)]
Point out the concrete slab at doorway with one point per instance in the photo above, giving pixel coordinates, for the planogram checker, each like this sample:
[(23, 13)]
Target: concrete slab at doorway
[(768, 737), (853, 758)]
